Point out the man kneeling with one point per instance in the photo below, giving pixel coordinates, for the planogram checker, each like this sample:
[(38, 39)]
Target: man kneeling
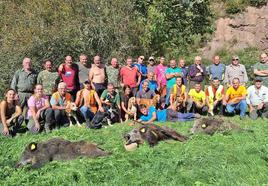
[(150, 115)]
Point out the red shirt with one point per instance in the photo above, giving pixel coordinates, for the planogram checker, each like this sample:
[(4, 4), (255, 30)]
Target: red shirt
[(69, 75), (129, 76)]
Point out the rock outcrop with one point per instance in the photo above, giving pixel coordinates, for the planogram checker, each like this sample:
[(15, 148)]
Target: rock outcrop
[(248, 29)]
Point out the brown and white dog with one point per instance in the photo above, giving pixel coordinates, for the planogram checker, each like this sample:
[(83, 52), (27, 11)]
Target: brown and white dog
[(70, 110), (131, 108)]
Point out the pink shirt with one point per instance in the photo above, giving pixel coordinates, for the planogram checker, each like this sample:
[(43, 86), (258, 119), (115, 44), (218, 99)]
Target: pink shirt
[(129, 76), (37, 103), (160, 71)]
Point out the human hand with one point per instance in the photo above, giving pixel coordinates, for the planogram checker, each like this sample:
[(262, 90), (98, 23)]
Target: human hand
[(260, 106), (37, 127), (101, 109), (5, 131)]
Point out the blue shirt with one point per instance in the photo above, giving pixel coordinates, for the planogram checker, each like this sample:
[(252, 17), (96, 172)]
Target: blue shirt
[(161, 115), (172, 81), (141, 67), (147, 117), (152, 85), (184, 75), (216, 71)]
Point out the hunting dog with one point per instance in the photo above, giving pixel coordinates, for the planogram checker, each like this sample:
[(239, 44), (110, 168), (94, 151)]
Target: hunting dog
[(70, 110), (131, 108)]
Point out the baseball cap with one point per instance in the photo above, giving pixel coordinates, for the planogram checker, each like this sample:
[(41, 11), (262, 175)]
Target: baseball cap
[(151, 58), (258, 79)]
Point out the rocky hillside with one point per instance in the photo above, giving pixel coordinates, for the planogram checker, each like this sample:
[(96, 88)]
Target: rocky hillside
[(248, 29)]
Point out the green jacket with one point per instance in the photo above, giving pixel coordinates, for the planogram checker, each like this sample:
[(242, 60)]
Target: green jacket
[(49, 80), (23, 81)]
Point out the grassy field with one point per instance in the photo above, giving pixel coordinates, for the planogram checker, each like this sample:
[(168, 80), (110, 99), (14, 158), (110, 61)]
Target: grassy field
[(235, 159)]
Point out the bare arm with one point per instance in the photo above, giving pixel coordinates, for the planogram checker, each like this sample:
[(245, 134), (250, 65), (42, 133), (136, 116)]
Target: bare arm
[(139, 80), (90, 77), (18, 112), (3, 107), (98, 101), (170, 76), (152, 119)]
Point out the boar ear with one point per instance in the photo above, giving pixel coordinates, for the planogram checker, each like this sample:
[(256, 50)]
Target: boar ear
[(32, 146), (143, 130), (204, 126)]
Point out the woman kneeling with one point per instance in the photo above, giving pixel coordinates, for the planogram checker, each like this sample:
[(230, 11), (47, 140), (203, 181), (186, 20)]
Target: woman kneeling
[(39, 111), (10, 118)]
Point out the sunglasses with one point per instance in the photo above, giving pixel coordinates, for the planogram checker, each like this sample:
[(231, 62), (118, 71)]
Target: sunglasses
[(235, 59)]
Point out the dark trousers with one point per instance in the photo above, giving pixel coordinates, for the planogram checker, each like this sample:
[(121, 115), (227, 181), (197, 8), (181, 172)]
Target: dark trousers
[(46, 117), (259, 113), (99, 88), (60, 118), (14, 127), (191, 107)]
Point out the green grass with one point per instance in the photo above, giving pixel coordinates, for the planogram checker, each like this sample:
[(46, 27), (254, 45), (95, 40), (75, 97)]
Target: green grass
[(236, 159)]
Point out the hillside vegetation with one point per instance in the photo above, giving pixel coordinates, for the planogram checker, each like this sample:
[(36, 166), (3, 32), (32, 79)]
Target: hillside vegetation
[(234, 159)]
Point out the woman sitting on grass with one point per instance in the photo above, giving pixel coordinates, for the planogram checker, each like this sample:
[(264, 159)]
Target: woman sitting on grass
[(39, 111), (10, 117), (124, 100)]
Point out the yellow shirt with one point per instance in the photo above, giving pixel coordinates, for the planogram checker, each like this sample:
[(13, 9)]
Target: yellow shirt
[(174, 92), (232, 93), (197, 96)]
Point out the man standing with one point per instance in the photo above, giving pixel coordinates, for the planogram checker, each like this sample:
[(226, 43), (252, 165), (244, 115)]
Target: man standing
[(184, 70), (69, 74), (257, 99), (235, 70), (97, 76), (24, 81), (48, 79), (172, 73), (151, 66), (261, 69), (130, 76), (197, 72), (83, 69), (141, 67), (214, 96), (235, 98), (217, 69), (113, 73), (160, 71)]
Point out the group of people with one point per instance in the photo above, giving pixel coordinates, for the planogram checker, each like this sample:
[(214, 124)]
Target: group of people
[(162, 93)]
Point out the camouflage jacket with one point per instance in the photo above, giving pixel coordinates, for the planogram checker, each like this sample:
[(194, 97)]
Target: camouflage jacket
[(49, 80)]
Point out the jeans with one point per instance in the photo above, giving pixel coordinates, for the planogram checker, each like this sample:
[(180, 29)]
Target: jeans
[(241, 106), (168, 96), (87, 113), (178, 116)]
